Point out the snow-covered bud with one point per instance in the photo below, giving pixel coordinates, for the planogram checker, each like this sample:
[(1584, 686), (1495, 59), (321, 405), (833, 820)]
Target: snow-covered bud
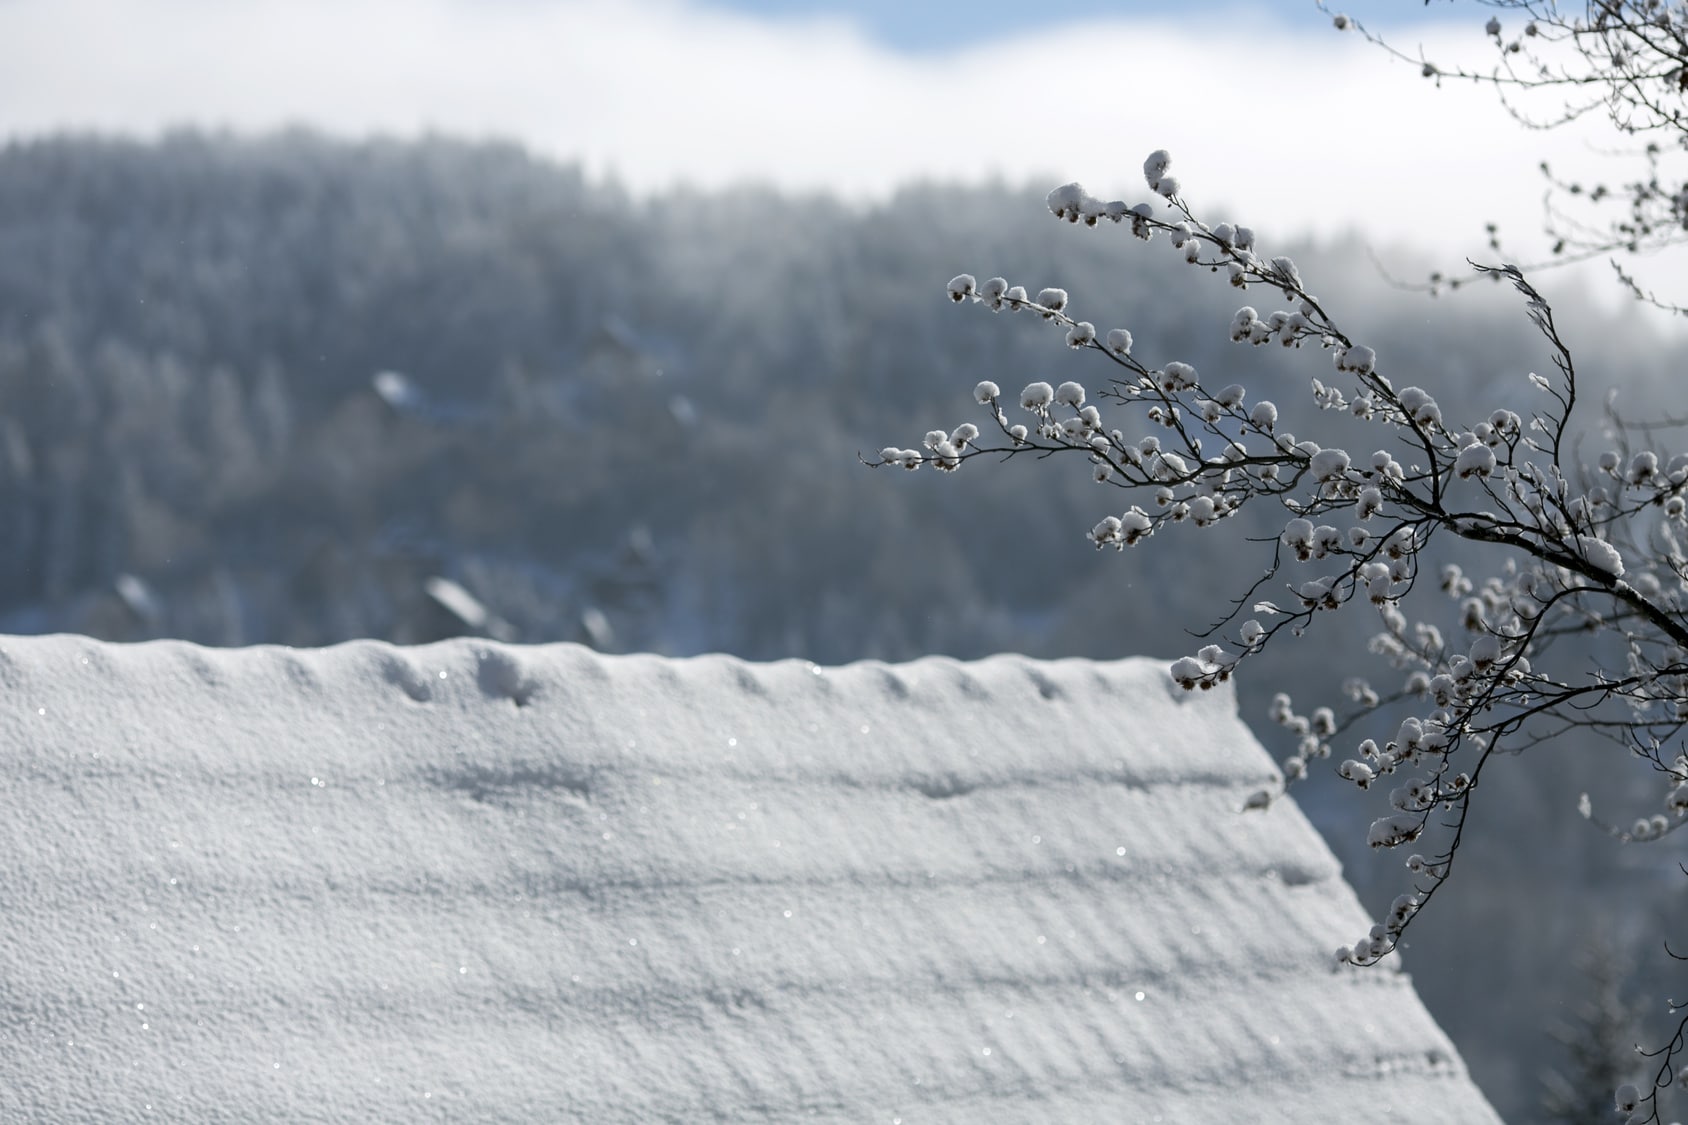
[(1298, 537), (1135, 525), (1069, 394), (1472, 617), (962, 286), (986, 393), (1140, 216), (1119, 341), (1385, 465), (1329, 465), (1081, 335), (992, 292), (1474, 461), (1628, 1097), (1243, 323), (890, 455), (1409, 734), (1168, 466), (1264, 415), (1609, 461), (1155, 166), (1037, 397), (1106, 532), (1643, 468), (1052, 300), (1359, 691), (1393, 831), (1015, 298), (1177, 377), (1360, 360), (1504, 422), (1420, 407), (1068, 201), (1187, 672), (1215, 655), (1285, 268), (1018, 433), (1486, 651), (964, 435), (1319, 593)]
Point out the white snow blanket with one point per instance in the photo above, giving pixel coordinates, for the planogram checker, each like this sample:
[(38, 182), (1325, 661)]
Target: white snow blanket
[(472, 882)]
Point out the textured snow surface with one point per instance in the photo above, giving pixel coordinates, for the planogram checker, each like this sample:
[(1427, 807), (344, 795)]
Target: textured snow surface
[(471, 882)]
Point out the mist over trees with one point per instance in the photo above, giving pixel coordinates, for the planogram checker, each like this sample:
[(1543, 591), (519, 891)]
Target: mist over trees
[(292, 390)]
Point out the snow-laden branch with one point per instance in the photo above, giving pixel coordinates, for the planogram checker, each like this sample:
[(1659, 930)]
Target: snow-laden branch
[(1574, 550), (1551, 64)]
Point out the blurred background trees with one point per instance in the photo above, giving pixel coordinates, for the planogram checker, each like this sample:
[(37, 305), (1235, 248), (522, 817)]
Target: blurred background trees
[(298, 391)]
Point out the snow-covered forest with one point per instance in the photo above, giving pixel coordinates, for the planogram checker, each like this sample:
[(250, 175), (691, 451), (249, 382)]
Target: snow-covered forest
[(291, 390)]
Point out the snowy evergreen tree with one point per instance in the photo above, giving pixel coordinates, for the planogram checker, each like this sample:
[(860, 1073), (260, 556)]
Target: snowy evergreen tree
[(1598, 1040)]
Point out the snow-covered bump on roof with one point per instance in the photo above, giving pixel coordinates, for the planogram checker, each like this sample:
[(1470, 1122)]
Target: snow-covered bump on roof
[(471, 882)]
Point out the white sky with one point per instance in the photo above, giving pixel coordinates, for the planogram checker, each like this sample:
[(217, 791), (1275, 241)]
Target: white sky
[(1296, 126)]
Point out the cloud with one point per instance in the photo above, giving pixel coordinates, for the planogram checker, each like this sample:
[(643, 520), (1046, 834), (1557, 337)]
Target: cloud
[(1297, 131)]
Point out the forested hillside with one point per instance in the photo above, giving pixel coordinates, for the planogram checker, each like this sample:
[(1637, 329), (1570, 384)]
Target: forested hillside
[(281, 383), (291, 390)]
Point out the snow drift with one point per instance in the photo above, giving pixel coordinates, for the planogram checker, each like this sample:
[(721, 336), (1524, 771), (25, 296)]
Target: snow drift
[(479, 882)]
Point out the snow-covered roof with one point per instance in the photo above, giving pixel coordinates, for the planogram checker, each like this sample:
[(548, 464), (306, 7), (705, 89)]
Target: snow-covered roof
[(479, 882)]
